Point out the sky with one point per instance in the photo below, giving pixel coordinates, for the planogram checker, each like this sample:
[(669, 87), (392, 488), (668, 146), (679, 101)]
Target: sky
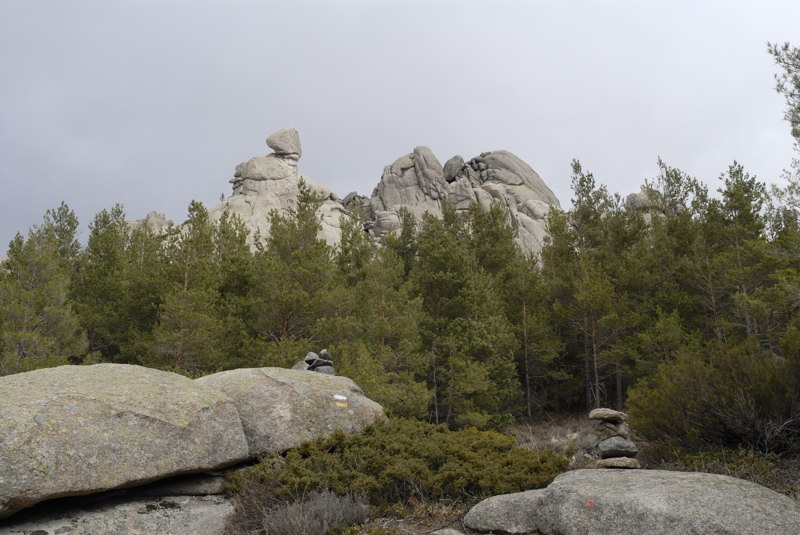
[(152, 103)]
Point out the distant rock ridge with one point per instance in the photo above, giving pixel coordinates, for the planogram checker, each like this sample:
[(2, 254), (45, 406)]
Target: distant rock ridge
[(155, 221), (419, 183), (416, 182)]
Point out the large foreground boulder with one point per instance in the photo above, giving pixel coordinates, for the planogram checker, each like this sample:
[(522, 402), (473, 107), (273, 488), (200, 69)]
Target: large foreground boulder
[(282, 408), (645, 502), (75, 430)]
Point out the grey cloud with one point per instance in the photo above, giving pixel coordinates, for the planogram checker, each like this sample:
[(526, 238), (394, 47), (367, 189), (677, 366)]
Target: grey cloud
[(152, 103)]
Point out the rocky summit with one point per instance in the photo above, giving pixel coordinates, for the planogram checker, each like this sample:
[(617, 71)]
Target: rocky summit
[(416, 182), (272, 182)]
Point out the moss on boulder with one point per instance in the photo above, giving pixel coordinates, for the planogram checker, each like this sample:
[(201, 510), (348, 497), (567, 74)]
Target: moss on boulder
[(280, 409), (75, 430)]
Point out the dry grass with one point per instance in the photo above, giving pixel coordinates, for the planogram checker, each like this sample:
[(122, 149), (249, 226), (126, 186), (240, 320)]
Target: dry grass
[(258, 512), (318, 514), (415, 518), (561, 434)]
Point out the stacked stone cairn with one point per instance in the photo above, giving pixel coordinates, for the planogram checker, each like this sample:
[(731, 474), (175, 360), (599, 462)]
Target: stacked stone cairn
[(322, 363), (610, 442)]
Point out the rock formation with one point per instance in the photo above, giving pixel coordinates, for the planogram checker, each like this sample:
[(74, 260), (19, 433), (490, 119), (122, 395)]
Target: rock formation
[(610, 442), (271, 182), (322, 363), (416, 182), (280, 409), (169, 515), (155, 221), (419, 183), (76, 430), (645, 502)]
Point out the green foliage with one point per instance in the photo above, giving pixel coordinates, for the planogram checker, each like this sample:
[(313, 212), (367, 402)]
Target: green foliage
[(189, 336), (385, 378), (741, 463), (404, 244), (372, 327), (737, 397), (399, 459), (98, 288), (525, 300), (292, 275), (469, 341), (38, 327), (788, 82)]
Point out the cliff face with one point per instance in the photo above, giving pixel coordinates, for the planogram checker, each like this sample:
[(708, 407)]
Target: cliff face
[(416, 182), (419, 183)]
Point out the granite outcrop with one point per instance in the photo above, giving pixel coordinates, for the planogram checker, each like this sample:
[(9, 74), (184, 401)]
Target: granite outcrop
[(79, 430), (645, 502), (416, 182), (264, 184)]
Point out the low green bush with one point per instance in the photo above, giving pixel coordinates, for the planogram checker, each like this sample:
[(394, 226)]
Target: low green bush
[(735, 398), (781, 474), (741, 463), (400, 459)]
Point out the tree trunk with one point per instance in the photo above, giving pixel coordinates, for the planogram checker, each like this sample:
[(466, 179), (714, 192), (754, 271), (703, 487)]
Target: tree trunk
[(595, 367), (525, 357), (587, 376)]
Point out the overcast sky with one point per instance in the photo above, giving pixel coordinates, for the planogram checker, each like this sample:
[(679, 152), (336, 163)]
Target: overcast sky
[(152, 103)]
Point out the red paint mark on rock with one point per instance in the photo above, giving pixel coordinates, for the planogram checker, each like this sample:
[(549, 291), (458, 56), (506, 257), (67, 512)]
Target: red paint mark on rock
[(589, 502)]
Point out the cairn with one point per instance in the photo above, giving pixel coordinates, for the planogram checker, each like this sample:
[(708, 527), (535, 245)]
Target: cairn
[(322, 363), (610, 442)]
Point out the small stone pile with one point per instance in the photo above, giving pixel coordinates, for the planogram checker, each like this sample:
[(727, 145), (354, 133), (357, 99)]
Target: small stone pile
[(322, 363), (610, 442)]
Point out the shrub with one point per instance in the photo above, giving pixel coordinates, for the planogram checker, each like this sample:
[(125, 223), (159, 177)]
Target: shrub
[(741, 463), (398, 459), (252, 503), (321, 513), (735, 398), (257, 511), (766, 469)]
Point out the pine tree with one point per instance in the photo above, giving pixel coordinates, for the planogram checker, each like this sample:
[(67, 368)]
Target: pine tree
[(788, 82), (99, 290), (292, 274), (37, 324), (189, 337), (468, 340)]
